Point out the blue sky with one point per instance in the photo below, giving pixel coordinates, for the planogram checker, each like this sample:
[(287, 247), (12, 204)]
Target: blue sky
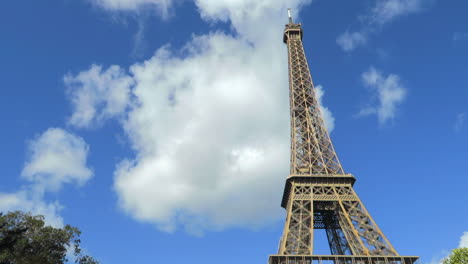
[(161, 128)]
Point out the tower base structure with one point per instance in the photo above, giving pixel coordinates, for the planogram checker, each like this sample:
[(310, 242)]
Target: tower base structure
[(329, 202), (340, 259)]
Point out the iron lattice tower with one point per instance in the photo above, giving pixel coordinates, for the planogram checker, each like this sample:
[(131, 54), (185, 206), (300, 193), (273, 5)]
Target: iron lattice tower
[(318, 193)]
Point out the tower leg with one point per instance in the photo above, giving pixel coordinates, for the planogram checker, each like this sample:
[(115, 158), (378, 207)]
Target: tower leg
[(298, 230), (336, 238)]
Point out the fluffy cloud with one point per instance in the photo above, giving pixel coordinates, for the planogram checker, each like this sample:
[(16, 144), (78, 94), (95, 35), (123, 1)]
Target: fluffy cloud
[(384, 12), (387, 94), (56, 157), (97, 95), (210, 129), (211, 135)]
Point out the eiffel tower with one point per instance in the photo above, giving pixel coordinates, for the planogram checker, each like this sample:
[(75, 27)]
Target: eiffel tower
[(318, 194)]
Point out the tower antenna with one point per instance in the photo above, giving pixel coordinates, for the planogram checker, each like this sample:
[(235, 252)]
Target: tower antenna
[(289, 15)]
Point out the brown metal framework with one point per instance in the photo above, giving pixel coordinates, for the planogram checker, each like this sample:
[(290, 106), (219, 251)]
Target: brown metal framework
[(318, 193)]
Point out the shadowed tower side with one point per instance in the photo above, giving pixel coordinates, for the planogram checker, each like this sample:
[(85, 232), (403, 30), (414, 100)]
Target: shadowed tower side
[(318, 193)]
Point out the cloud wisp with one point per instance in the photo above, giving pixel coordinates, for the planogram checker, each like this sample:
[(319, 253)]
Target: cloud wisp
[(459, 36), (97, 95), (387, 93), (382, 13), (463, 240), (327, 115), (349, 41), (463, 243), (459, 122), (57, 157), (162, 7)]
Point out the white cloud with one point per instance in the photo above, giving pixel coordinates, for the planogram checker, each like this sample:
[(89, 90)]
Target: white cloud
[(384, 12), (97, 95), (326, 113), (463, 240), (211, 128), (348, 41), (29, 201), (162, 6), (211, 136), (388, 93), (56, 157)]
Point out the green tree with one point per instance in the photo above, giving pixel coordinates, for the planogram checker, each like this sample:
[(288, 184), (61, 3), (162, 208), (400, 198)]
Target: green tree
[(25, 239), (458, 256)]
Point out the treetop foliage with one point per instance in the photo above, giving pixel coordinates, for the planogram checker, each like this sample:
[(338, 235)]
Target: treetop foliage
[(25, 239), (458, 256)]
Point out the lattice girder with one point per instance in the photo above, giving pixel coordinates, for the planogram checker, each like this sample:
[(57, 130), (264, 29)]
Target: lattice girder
[(312, 151), (308, 207), (300, 220)]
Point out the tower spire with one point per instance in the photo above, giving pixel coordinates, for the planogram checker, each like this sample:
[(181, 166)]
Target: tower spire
[(318, 194), (290, 17), (312, 151)]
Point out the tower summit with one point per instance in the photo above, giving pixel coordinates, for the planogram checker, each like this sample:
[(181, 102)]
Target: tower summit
[(318, 194)]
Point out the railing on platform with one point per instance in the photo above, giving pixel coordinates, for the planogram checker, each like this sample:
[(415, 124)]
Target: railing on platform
[(340, 259)]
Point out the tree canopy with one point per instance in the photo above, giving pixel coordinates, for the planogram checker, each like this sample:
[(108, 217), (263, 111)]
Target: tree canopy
[(458, 256), (25, 239)]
